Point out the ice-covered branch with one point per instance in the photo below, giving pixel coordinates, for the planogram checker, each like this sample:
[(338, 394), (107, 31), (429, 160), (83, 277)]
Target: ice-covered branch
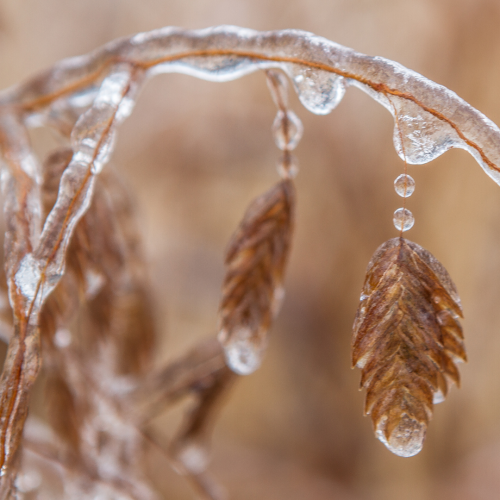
[(433, 119)]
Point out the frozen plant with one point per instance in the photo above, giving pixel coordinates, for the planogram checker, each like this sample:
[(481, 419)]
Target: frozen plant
[(75, 280)]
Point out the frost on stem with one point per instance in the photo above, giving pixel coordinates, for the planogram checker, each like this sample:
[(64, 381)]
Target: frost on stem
[(85, 99)]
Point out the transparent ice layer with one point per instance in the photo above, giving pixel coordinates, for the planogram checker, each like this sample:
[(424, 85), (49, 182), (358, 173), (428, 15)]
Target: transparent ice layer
[(403, 219), (404, 185)]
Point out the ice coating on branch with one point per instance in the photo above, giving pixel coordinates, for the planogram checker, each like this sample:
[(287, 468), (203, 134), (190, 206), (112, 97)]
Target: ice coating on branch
[(92, 140), (433, 118)]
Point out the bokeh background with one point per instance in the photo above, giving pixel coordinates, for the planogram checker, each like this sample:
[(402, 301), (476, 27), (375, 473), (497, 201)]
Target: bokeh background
[(195, 153)]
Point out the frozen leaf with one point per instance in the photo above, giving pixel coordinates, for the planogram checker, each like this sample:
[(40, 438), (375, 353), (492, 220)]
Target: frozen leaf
[(252, 291), (406, 340)]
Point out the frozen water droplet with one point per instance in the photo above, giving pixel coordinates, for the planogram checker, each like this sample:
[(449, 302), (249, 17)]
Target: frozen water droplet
[(425, 137), (193, 456), (287, 130), (404, 185), (406, 440), (403, 219), (319, 91), (243, 355)]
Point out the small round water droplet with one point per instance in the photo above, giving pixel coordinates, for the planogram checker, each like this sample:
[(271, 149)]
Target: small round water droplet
[(406, 440), (404, 185), (403, 219), (287, 130)]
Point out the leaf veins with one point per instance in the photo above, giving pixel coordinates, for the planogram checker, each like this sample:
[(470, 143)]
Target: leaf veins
[(255, 263), (407, 340)]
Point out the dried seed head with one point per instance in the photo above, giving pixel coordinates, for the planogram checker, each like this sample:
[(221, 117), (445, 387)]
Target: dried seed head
[(406, 341), (252, 290)]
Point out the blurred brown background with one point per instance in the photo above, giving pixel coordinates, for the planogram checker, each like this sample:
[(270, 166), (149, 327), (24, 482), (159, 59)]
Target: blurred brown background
[(195, 153)]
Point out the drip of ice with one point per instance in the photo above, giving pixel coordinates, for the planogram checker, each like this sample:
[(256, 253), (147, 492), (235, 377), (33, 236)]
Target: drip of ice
[(404, 185), (425, 137), (242, 353), (318, 90), (287, 130), (438, 397), (406, 440), (403, 219)]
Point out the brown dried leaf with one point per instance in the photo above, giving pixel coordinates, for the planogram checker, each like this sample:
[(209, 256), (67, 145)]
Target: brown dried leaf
[(252, 291), (406, 341)]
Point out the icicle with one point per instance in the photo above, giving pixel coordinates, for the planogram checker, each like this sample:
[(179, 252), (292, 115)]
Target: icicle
[(406, 440), (319, 91)]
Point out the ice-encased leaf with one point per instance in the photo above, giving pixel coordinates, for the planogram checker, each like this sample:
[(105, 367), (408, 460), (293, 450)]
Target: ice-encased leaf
[(406, 340)]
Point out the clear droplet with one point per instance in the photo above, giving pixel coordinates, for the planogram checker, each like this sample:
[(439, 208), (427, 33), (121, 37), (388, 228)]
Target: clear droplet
[(319, 91), (243, 354), (406, 440), (403, 219), (404, 185), (287, 130)]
